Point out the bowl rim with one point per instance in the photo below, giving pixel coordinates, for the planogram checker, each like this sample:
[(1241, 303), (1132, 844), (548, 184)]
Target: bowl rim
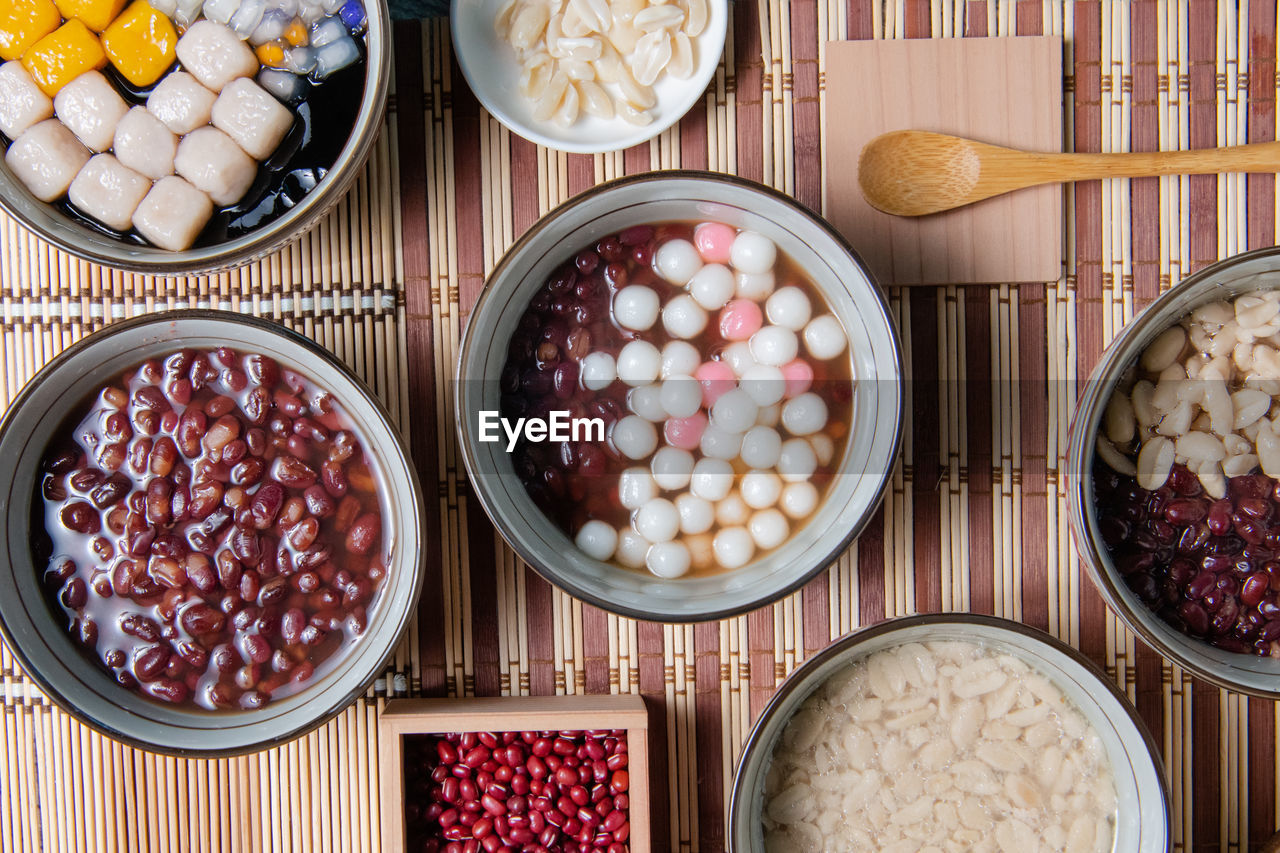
[(842, 645), (1092, 399), (414, 496), (487, 294), (280, 232), (697, 89)]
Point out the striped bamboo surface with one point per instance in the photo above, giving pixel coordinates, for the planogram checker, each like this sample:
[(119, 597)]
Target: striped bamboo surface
[(975, 519)]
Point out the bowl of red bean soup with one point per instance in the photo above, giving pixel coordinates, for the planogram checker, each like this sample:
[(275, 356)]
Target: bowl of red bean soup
[(680, 396), (1174, 474), (213, 535)]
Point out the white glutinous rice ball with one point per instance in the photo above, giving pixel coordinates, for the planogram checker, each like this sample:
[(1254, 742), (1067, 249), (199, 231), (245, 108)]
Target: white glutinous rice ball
[(769, 529), (632, 548), (761, 447), (761, 489), (677, 261), (682, 317), (769, 416), (634, 437), (734, 547), (47, 159), (657, 520), (755, 286), (598, 371), (804, 415), (212, 162), (681, 396), (597, 539), (738, 356), (764, 383), (701, 550), (108, 191), (797, 461), (252, 117), (173, 214), (799, 500), (753, 252), (823, 448), (712, 479), (680, 358), (215, 55), (732, 511), (774, 345), (719, 443), (144, 144), (696, 515), (636, 487), (788, 307), (672, 468), (636, 307), (639, 363), (646, 401), (668, 559), (734, 411), (22, 103), (824, 337), (90, 107), (712, 286), (181, 103)]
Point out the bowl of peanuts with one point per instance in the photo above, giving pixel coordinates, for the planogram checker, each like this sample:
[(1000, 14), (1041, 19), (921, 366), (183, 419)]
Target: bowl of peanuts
[(1173, 463), (589, 76), (208, 550), (949, 732)]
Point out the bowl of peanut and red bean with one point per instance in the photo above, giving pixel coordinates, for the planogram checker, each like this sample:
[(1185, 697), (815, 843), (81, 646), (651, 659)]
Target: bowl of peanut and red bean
[(214, 533), (1174, 474)]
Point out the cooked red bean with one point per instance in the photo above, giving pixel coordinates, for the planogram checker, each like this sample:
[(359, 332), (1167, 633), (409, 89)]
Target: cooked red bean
[(205, 542)]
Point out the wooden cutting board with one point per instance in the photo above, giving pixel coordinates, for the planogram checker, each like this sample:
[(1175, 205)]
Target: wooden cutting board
[(1006, 91)]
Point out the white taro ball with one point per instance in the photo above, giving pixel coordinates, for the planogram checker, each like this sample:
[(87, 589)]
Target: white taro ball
[(761, 489), (91, 108), (657, 520), (181, 103), (733, 511), (682, 317), (639, 363), (632, 548), (646, 401), (712, 479), (805, 414), (797, 461), (824, 337), (719, 443), (212, 162), (636, 487), (598, 371), (668, 559), (761, 447), (681, 396), (597, 539), (752, 252), (679, 358), (144, 144), (768, 528), (712, 286), (734, 411), (672, 468), (252, 117), (738, 356), (788, 307), (734, 547), (774, 345), (636, 307), (765, 384), (109, 191), (799, 500), (22, 102), (696, 514), (677, 261), (172, 214), (823, 448), (46, 158), (634, 437), (754, 286), (215, 55)]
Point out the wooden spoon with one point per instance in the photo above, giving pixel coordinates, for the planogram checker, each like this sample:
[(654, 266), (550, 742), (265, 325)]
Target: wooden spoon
[(913, 172)]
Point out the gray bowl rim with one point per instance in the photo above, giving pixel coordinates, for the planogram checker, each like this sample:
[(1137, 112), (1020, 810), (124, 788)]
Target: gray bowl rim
[(798, 679), (49, 372), (1099, 568), (280, 232), (487, 295)]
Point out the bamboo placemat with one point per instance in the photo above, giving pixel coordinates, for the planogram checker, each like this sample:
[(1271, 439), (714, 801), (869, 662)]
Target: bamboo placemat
[(975, 519)]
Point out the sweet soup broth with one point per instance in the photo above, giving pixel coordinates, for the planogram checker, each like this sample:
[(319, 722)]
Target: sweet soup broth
[(213, 531), (658, 470)]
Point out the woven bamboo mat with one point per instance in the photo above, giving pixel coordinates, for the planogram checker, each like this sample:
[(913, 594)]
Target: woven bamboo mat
[(975, 520)]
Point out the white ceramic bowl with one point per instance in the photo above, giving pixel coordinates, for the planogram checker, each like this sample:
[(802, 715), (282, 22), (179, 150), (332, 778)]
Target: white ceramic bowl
[(1143, 824), (867, 458), (490, 66)]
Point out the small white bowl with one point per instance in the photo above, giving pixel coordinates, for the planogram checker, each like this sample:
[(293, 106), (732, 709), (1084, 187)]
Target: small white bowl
[(490, 66)]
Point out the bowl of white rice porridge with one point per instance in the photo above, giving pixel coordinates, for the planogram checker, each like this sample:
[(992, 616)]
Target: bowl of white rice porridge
[(949, 732)]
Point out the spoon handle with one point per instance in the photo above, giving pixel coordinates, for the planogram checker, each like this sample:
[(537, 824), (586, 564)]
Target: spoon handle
[(1255, 157)]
